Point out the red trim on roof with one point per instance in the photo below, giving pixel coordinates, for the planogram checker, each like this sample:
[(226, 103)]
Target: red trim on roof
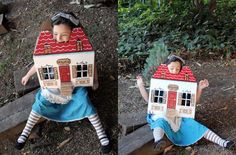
[(46, 38), (184, 75)]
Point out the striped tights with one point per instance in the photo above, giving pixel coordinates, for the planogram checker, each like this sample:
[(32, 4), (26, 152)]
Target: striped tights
[(211, 136), (158, 134), (32, 120), (95, 121)]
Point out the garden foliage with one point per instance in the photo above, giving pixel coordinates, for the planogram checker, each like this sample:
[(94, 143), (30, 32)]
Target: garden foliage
[(193, 26)]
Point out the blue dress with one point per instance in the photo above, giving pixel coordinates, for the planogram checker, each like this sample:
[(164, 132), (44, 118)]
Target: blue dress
[(190, 131), (77, 108)]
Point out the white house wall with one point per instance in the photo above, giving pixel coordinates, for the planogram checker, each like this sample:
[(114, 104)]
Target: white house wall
[(76, 58), (183, 87)]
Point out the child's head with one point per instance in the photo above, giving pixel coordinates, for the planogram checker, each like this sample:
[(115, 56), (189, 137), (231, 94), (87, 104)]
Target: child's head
[(63, 23), (174, 64)]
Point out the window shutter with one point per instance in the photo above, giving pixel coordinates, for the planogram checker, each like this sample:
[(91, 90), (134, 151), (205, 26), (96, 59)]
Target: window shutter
[(164, 97), (179, 98), (90, 70), (40, 70), (192, 100), (55, 72), (74, 71), (152, 96)]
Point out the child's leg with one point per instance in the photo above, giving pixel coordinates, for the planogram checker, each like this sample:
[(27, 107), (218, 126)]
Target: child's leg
[(159, 142), (32, 120), (158, 134), (211, 136), (95, 121)]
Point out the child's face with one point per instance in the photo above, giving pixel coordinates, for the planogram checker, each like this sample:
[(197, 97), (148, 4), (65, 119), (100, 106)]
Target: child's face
[(174, 67), (61, 33)]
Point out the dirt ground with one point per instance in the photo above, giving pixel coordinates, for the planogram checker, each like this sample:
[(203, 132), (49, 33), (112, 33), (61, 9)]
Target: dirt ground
[(24, 20), (216, 109)]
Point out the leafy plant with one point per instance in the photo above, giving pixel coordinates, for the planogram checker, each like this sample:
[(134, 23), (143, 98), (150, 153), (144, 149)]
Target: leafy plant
[(182, 24), (157, 55)]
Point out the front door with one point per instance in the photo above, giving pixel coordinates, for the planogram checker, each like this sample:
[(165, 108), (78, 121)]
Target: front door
[(171, 99), (64, 73)]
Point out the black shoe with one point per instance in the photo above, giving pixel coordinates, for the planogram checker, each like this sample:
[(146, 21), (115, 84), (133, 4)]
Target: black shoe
[(20, 146), (229, 144), (160, 145), (106, 148)]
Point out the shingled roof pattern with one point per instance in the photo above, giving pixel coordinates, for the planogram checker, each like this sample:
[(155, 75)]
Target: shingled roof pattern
[(184, 75), (46, 37)]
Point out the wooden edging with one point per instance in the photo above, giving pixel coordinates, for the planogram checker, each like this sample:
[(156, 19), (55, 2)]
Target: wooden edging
[(131, 121), (16, 112)]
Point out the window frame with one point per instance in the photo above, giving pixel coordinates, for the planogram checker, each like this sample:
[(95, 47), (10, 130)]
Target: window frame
[(48, 73), (159, 97), (186, 99), (82, 71)]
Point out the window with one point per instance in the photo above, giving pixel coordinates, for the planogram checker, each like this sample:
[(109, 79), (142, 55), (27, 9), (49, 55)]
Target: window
[(79, 45), (82, 70), (48, 72), (186, 99), (158, 96), (47, 48)]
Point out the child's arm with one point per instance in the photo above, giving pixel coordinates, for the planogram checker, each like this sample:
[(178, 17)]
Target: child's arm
[(31, 72), (202, 84), (141, 87), (95, 84)]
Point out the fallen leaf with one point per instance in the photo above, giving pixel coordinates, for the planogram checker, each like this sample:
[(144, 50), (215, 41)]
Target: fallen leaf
[(63, 143), (25, 153), (225, 108), (89, 6), (168, 149), (133, 79), (225, 89), (188, 148), (220, 122), (67, 128), (112, 78), (127, 77), (193, 153), (75, 2), (198, 64), (131, 87)]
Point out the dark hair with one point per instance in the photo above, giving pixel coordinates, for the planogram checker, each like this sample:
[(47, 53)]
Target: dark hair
[(57, 20), (174, 58)]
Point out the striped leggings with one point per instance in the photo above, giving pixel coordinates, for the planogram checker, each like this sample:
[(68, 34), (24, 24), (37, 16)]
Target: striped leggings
[(94, 119), (158, 134)]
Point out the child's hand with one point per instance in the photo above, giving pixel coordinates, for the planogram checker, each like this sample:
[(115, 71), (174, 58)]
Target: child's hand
[(203, 84), (24, 80), (140, 80), (95, 85)]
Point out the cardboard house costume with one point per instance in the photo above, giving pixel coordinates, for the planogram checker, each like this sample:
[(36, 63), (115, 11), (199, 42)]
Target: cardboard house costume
[(173, 94), (64, 65)]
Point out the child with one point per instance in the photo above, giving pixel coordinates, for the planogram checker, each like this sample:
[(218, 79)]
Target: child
[(61, 108), (180, 131)]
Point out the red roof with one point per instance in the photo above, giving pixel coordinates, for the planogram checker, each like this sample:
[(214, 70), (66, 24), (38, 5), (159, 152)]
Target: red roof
[(46, 38), (184, 75)]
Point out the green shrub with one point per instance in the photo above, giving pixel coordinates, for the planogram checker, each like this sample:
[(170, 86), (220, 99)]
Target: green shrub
[(181, 24), (157, 55)]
